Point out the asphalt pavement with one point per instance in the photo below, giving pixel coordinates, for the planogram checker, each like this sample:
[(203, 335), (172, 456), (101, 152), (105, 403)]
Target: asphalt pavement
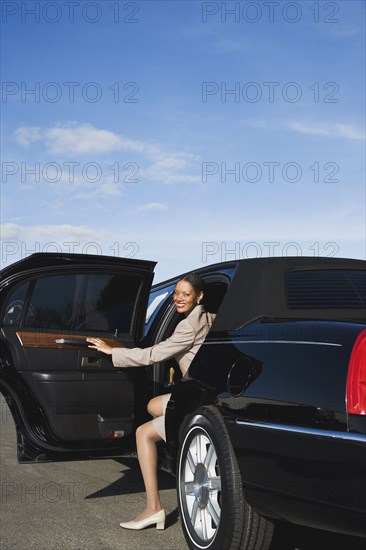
[(77, 505)]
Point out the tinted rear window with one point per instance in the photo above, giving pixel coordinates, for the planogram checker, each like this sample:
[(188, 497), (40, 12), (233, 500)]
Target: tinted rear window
[(102, 302), (323, 289)]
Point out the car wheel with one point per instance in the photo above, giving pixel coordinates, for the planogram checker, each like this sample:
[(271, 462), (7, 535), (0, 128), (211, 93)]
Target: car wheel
[(214, 513)]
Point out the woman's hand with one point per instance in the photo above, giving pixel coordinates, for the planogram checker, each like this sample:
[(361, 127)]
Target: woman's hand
[(99, 345)]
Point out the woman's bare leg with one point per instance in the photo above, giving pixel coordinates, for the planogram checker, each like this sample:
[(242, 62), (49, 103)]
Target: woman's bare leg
[(146, 439), (155, 405)]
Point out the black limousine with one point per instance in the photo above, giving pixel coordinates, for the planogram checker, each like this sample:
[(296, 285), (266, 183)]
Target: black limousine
[(270, 424)]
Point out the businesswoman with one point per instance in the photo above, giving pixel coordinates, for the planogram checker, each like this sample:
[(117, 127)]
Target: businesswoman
[(182, 345)]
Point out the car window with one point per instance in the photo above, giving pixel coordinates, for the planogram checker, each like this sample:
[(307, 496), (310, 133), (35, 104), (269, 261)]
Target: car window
[(14, 306), (339, 288), (154, 305), (156, 300), (86, 301)]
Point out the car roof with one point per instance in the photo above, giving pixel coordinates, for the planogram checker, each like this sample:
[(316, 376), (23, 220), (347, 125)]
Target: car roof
[(258, 290)]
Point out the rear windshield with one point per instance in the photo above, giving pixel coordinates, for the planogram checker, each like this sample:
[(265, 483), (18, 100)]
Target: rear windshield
[(326, 289)]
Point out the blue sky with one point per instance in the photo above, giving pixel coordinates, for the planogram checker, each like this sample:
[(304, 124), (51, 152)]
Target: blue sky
[(184, 132)]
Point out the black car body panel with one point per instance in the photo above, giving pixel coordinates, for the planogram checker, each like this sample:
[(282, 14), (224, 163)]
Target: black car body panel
[(274, 364), (292, 440), (307, 476)]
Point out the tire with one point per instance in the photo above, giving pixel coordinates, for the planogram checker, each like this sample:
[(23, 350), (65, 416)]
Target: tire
[(214, 513)]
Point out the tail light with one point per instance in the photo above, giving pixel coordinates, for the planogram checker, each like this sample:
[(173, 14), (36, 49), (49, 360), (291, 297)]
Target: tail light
[(356, 380)]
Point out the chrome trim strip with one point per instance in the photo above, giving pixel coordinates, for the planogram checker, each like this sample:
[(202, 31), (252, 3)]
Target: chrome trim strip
[(233, 341), (360, 438)]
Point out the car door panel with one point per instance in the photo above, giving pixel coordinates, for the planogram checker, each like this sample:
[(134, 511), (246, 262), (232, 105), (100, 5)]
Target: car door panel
[(75, 385), (76, 403), (80, 397)]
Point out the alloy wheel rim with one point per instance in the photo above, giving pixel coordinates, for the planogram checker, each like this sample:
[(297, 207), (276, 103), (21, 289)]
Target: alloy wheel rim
[(201, 486)]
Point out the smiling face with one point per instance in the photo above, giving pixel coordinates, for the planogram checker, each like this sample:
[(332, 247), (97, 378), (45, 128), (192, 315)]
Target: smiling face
[(185, 297)]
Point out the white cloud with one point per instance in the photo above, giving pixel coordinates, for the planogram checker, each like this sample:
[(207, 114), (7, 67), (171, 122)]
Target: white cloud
[(326, 129), (9, 231), (205, 241), (26, 135), (19, 241), (171, 167), (348, 131), (47, 232), (82, 188), (71, 140), (87, 139), (152, 206)]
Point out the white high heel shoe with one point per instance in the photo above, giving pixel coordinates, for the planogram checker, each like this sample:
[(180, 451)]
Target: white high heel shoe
[(158, 518)]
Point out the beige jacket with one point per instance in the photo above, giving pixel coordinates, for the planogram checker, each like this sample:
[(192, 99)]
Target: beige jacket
[(183, 344)]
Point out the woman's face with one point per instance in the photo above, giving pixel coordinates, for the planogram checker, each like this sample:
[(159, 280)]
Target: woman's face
[(185, 297)]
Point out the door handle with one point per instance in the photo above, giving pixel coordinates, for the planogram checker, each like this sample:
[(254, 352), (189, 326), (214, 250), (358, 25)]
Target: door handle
[(72, 341), (94, 362)]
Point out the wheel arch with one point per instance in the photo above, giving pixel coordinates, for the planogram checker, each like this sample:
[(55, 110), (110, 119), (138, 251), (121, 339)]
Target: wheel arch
[(187, 397)]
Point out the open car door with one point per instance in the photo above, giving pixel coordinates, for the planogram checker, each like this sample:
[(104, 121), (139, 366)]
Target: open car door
[(69, 401)]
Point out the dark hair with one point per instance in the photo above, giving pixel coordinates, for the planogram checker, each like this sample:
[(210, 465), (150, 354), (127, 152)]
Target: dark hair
[(195, 281)]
